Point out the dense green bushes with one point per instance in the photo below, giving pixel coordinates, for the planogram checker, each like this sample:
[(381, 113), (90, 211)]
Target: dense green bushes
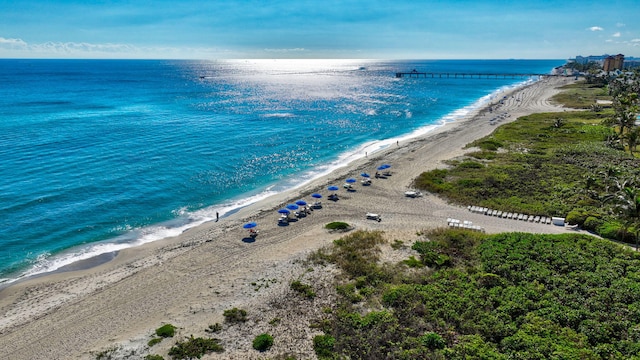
[(166, 330), (235, 315), (194, 348), (263, 342), (337, 225), (504, 296), (547, 170)]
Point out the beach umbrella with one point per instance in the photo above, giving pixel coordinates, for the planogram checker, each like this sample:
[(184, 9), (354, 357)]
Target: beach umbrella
[(250, 225), (351, 180), (333, 188), (365, 175), (292, 207), (316, 195), (385, 166), (382, 168), (301, 202), (284, 211)]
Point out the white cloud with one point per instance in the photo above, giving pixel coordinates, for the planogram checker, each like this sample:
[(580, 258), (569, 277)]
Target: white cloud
[(12, 42), (596, 28), (616, 34)]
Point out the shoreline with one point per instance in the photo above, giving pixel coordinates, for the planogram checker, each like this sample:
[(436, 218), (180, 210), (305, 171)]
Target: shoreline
[(208, 268), (75, 258)]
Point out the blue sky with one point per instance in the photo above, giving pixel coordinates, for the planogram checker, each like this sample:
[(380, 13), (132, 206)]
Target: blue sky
[(394, 29)]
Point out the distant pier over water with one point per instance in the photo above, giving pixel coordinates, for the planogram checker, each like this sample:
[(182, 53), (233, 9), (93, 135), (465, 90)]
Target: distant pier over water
[(446, 75)]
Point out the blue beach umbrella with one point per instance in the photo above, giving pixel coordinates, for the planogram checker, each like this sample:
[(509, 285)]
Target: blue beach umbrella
[(382, 168), (284, 211), (250, 225), (316, 195), (333, 188), (385, 166), (365, 175), (301, 202), (292, 207), (351, 180)]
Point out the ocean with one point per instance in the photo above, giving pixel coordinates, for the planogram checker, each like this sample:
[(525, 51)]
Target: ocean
[(100, 155)]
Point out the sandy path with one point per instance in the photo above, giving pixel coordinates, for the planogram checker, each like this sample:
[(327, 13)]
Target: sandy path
[(189, 280)]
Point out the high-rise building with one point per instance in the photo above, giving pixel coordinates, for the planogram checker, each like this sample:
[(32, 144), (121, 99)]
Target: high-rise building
[(612, 63)]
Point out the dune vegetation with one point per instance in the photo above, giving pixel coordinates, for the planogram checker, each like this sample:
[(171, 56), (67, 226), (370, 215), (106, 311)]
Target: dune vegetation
[(579, 165)]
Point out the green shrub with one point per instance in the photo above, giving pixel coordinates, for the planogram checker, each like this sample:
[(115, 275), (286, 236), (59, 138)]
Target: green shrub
[(263, 342), (576, 217), (609, 229), (591, 223), (153, 357), (194, 348), (303, 289), (488, 144), (166, 331), (349, 291), (413, 262), (323, 345), (337, 225), (154, 341), (470, 165), (433, 341), (235, 315)]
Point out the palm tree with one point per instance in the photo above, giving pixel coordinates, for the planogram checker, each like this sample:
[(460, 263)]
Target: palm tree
[(633, 138), (609, 173), (626, 199), (626, 111)]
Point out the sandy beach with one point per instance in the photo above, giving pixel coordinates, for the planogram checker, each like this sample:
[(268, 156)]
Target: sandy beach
[(191, 279)]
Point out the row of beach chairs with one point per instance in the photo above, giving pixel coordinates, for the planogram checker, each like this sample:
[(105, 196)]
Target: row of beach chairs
[(509, 215), (455, 223)]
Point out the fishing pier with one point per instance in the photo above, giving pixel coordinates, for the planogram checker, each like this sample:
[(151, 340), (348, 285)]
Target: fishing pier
[(433, 75)]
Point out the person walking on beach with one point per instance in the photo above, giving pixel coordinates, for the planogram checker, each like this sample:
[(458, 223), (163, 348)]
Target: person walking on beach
[(217, 216)]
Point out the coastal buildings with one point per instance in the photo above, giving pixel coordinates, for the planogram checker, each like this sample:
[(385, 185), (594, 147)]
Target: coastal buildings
[(608, 62), (612, 63)]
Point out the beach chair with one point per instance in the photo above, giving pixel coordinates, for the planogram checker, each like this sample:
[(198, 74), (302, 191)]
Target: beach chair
[(499, 214), (317, 205), (531, 217), (412, 194), (372, 216), (536, 219)]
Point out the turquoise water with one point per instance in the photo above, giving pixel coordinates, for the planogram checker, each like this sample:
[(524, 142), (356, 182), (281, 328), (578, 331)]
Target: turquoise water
[(99, 155)]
